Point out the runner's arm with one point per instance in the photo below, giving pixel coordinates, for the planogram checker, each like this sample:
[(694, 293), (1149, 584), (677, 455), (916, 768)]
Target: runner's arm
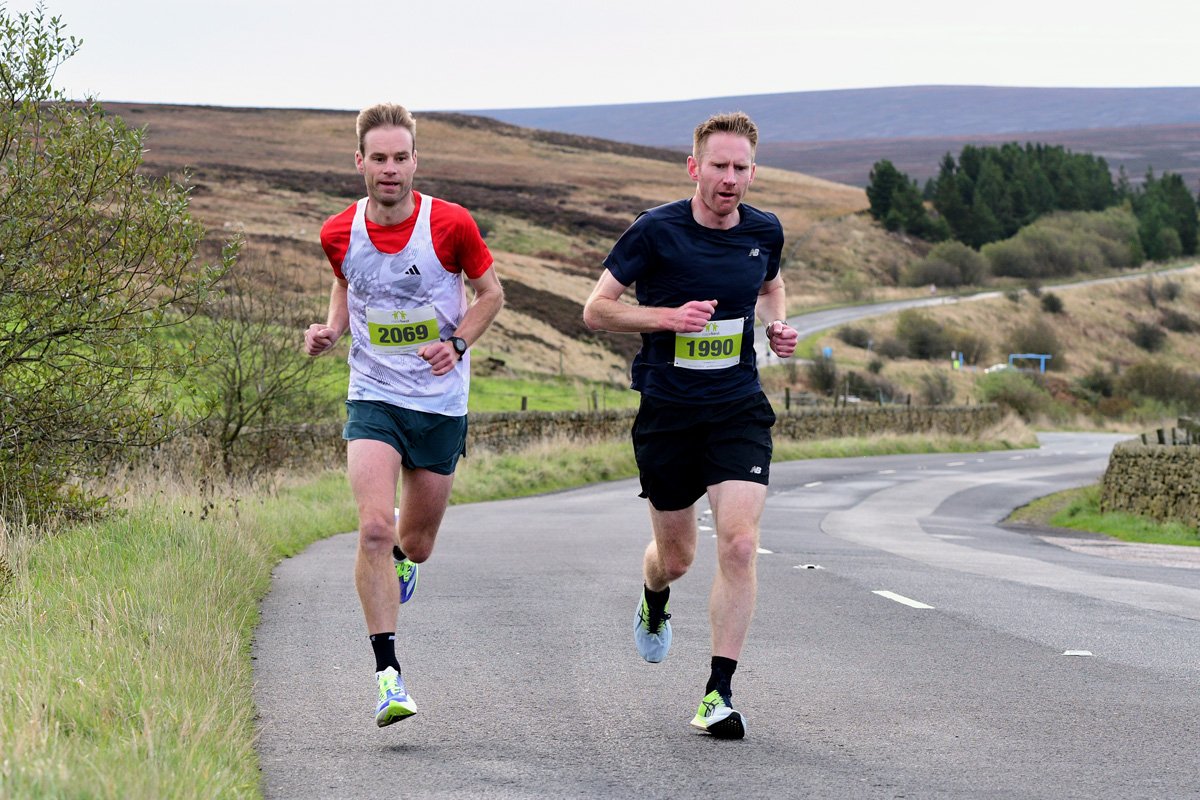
[(319, 338), (771, 308), (489, 299), (604, 311)]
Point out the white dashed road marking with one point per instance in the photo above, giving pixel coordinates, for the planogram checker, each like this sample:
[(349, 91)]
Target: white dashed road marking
[(899, 598)]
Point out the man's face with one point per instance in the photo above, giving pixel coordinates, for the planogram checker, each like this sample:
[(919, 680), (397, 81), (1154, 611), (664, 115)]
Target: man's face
[(388, 165), (722, 171)]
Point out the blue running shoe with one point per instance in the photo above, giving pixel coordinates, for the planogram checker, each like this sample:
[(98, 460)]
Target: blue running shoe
[(651, 632), (717, 717), (394, 703), (406, 570)]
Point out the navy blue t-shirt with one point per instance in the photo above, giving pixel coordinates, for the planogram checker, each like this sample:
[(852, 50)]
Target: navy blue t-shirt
[(673, 259)]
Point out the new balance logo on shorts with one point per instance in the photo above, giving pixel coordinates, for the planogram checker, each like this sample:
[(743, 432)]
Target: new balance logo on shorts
[(754, 253), (756, 470)]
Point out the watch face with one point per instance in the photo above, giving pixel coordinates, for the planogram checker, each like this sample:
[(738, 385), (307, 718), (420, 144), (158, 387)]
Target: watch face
[(460, 344)]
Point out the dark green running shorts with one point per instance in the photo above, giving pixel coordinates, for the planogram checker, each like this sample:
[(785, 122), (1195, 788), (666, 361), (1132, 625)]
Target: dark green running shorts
[(423, 440)]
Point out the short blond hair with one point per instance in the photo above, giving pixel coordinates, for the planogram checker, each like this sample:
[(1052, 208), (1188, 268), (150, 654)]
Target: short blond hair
[(737, 123), (384, 115)]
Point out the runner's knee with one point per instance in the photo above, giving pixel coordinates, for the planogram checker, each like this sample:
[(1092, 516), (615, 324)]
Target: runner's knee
[(376, 536), (417, 546), (737, 551), (675, 563)]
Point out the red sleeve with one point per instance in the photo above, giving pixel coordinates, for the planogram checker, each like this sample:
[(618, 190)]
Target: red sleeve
[(335, 238), (456, 239)]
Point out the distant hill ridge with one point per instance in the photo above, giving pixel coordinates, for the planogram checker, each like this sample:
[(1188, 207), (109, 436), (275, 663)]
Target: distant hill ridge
[(883, 113)]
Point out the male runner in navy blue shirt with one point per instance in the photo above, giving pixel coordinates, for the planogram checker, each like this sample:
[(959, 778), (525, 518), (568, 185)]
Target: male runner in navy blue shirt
[(704, 269)]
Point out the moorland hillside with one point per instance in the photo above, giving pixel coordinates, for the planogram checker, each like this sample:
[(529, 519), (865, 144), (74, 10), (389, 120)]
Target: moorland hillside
[(551, 205), (839, 134)]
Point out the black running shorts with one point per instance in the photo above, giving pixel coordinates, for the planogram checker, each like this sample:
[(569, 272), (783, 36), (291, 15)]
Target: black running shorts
[(683, 449)]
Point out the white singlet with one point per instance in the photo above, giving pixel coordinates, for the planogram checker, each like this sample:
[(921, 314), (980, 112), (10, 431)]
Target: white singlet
[(403, 286)]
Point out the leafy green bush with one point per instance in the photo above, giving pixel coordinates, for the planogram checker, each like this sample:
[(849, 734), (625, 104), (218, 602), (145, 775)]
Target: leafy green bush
[(1096, 384), (1169, 385), (97, 262), (934, 272), (1014, 390), (1148, 336), (891, 347), (1177, 321), (1068, 243), (1052, 303), (855, 337), (822, 375), (948, 264), (923, 336), (936, 388), (1038, 337), (973, 346), (871, 387)]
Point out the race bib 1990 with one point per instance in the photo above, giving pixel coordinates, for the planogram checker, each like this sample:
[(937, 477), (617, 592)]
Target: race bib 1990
[(402, 331), (718, 346)]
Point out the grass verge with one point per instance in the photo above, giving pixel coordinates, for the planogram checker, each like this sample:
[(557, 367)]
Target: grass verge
[(124, 644), (1079, 509)]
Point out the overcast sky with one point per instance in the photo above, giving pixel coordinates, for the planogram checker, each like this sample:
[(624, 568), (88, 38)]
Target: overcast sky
[(471, 54)]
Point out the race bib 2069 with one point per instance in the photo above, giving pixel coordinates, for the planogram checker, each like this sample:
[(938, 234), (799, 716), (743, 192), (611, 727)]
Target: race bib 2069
[(402, 330)]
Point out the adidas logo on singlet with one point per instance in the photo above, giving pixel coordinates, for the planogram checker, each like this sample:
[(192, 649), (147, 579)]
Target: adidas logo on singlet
[(412, 270)]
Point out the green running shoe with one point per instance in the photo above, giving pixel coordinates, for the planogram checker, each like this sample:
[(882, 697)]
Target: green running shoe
[(394, 702), (651, 632), (717, 717), (406, 571)]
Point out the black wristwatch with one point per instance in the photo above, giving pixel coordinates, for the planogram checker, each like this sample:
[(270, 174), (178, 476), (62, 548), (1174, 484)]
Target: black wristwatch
[(460, 345)]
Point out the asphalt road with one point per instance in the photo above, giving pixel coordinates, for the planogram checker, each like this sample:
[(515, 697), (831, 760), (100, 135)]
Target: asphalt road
[(518, 649)]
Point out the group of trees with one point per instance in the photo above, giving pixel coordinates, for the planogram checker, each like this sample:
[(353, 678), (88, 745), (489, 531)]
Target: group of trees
[(990, 193), (108, 318)]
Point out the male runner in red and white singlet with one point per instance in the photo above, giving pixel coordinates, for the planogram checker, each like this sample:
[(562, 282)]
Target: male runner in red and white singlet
[(401, 262)]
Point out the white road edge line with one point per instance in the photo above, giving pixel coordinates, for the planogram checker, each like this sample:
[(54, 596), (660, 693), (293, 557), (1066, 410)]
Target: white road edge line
[(899, 598)]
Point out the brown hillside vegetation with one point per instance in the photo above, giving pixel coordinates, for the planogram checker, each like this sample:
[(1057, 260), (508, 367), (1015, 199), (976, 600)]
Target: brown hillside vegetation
[(551, 206), (1095, 329)]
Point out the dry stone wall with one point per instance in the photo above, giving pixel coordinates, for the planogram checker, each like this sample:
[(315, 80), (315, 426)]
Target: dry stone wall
[(1160, 481), (513, 430), (321, 444)]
